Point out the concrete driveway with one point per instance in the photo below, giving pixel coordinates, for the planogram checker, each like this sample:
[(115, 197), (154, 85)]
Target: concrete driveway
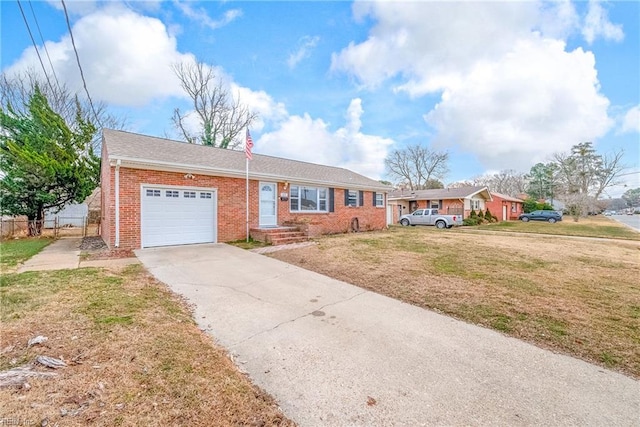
[(333, 354)]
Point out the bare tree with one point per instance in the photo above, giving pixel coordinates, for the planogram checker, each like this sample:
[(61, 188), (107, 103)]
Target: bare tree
[(507, 182), (417, 166), (222, 119), (16, 90), (461, 184), (584, 171)]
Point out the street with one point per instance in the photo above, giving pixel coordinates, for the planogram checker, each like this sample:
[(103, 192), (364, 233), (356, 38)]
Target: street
[(630, 220)]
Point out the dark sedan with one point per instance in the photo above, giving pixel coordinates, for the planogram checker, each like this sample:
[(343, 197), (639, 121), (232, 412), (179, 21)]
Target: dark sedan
[(550, 216)]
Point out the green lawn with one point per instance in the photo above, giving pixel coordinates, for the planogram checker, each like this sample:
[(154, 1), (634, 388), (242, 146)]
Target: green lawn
[(585, 227), (13, 252)]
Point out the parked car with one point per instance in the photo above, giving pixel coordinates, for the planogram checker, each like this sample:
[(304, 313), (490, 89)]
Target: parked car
[(550, 216), (430, 217)]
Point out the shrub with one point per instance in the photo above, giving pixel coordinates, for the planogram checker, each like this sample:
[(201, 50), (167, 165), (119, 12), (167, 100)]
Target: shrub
[(470, 221), (487, 215), (473, 214)]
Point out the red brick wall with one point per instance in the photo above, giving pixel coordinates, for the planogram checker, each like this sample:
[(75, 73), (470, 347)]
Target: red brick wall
[(231, 211), (495, 207), (369, 217)]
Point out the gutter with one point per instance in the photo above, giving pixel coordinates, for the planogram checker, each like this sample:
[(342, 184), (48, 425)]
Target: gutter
[(117, 189)]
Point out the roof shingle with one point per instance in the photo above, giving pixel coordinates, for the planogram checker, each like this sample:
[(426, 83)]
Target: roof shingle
[(153, 151), (436, 194)]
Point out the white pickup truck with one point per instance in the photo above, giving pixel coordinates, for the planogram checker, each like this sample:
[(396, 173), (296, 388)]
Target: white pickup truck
[(430, 217)]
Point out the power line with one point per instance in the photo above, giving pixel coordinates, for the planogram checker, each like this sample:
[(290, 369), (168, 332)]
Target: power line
[(44, 44), (35, 46), (84, 82)]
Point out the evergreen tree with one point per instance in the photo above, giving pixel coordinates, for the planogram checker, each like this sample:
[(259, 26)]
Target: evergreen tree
[(45, 163)]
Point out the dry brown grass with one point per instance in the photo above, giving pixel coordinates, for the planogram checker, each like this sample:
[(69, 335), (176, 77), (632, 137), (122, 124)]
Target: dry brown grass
[(134, 354), (577, 296)]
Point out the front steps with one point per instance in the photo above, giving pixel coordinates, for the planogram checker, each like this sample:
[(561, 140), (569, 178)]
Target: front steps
[(278, 235)]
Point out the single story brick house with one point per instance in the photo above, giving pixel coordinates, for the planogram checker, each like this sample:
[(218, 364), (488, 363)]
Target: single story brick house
[(505, 208), (450, 201), (158, 192)]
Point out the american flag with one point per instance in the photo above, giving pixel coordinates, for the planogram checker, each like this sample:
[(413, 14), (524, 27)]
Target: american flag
[(248, 146)]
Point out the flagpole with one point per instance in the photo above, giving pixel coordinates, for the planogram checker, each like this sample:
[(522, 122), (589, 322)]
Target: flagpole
[(247, 193), (248, 145)]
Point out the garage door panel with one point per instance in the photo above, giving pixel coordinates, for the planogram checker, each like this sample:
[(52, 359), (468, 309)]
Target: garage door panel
[(173, 216)]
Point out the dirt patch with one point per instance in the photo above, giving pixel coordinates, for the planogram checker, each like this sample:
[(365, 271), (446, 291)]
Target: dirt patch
[(576, 296), (94, 248)]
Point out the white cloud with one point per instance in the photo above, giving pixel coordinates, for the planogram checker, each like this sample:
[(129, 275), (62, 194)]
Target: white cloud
[(535, 101), (307, 139), (424, 41), (558, 19), (597, 24), (631, 121), (200, 15), (76, 7), (261, 103), (510, 92), (126, 58), (304, 51)]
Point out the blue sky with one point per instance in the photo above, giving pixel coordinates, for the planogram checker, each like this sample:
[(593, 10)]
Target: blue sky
[(499, 85)]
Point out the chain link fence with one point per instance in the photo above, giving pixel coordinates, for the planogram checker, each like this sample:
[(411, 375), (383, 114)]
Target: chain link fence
[(16, 227)]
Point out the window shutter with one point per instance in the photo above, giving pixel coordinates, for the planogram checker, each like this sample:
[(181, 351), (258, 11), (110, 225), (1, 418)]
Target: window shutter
[(440, 205), (331, 209), (374, 198), (346, 197), (361, 194)]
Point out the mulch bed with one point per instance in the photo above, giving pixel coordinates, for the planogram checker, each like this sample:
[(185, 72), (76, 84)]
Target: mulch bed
[(95, 248)]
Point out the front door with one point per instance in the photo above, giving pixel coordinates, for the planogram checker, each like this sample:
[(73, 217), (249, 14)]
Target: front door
[(504, 212), (268, 209)]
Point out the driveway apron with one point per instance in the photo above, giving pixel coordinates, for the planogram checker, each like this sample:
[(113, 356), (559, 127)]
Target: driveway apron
[(338, 355)]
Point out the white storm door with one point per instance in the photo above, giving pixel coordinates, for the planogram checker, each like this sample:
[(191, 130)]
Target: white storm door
[(268, 206), (504, 212)]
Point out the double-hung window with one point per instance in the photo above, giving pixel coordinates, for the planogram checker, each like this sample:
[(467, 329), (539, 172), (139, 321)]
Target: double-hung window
[(379, 199), (352, 198), (307, 199)]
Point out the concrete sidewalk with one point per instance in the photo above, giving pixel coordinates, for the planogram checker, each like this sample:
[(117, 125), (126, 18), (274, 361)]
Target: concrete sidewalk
[(64, 253), (333, 354)]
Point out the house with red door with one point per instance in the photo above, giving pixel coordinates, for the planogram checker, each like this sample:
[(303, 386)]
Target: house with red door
[(159, 192), (449, 201), (505, 208)]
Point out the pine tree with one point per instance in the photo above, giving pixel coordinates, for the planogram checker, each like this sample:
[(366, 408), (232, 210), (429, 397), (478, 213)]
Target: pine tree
[(45, 163)]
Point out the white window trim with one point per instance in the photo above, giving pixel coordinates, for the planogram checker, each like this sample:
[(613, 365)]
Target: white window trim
[(381, 195), (357, 204), (318, 199)]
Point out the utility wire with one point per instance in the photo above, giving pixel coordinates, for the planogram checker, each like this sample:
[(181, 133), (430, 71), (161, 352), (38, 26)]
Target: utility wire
[(44, 44), (35, 46), (84, 82)]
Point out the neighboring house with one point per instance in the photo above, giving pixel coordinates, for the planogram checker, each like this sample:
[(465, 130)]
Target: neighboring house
[(158, 192), (505, 208), (450, 201), (93, 202)]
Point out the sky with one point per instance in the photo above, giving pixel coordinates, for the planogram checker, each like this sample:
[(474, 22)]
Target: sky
[(498, 85)]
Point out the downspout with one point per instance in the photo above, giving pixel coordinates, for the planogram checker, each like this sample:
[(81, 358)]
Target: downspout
[(117, 189)]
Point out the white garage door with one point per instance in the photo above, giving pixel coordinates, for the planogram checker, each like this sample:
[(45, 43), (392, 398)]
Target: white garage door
[(177, 216)]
